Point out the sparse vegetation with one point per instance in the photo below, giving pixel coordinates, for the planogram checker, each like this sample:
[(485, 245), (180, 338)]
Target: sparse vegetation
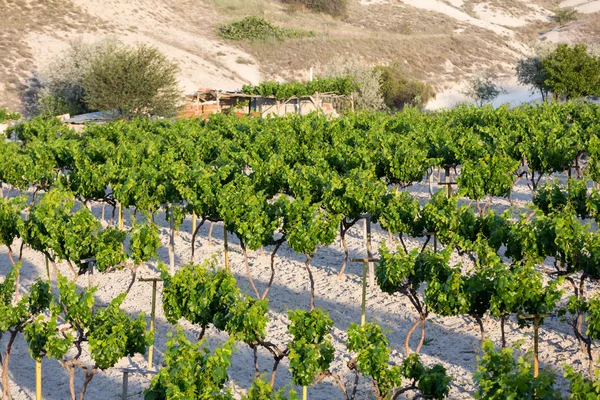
[(483, 90), (564, 15), (6, 115), (336, 8), (399, 91), (258, 28)]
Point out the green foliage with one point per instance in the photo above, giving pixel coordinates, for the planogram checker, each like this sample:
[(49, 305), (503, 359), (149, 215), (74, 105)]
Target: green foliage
[(572, 72), (261, 390), (564, 15), (582, 388), (258, 28), (531, 72), (311, 351), (499, 376), (144, 243), (191, 371), (431, 382), (372, 359), (282, 91), (6, 115), (399, 91), (205, 297), (133, 81), (113, 335)]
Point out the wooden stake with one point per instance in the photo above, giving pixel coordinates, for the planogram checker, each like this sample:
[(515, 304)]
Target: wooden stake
[(536, 326), (38, 379), (365, 261), (171, 241), (152, 315), (367, 229), (121, 225), (304, 392), (125, 384), (226, 248), (448, 187), (47, 269), (363, 315), (194, 221)]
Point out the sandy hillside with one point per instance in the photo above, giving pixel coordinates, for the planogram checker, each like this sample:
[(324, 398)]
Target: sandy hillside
[(439, 41)]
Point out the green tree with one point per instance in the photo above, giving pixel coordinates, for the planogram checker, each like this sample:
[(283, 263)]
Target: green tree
[(133, 81), (531, 72), (483, 90), (572, 72)]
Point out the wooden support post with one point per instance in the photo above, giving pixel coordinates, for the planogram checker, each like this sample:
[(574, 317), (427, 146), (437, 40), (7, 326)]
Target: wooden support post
[(365, 261), (171, 241), (304, 392), (363, 315), (152, 316), (226, 246), (536, 327), (125, 384), (121, 224), (367, 229), (38, 379), (47, 269), (448, 187), (194, 222)]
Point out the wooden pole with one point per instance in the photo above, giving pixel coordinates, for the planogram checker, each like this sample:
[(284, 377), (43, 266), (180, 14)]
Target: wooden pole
[(194, 222), (47, 269), (152, 315), (121, 225), (448, 187), (367, 229), (171, 241), (226, 247), (536, 361), (365, 261), (304, 392), (38, 379), (363, 315), (125, 384)]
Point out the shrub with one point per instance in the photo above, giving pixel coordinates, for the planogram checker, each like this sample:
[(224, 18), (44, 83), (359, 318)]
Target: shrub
[(368, 80), (63, 91), (133, 81), (564, 15), (257, 28), (336, 8), (398, 91), (6, 115)]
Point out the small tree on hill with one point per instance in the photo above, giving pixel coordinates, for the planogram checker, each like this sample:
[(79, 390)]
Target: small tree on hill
[(572, 72), (531, 72), (483, 90), (133, 81)]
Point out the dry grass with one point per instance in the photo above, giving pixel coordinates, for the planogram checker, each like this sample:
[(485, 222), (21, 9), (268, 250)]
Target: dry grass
[(20, 17)]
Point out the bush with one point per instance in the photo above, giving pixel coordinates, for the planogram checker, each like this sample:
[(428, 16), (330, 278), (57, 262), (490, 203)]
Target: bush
[(63, 91), (368, 95), (564, 15), (398, 91), (336, 8), (6, 115), (257, 28), (134, 81)]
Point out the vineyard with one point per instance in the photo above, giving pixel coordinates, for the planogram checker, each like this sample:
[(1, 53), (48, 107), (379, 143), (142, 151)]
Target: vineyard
[(372, 256)]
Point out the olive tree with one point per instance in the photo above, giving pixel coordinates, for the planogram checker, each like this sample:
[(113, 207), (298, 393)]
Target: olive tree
[(531, 72), (483, 90)]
